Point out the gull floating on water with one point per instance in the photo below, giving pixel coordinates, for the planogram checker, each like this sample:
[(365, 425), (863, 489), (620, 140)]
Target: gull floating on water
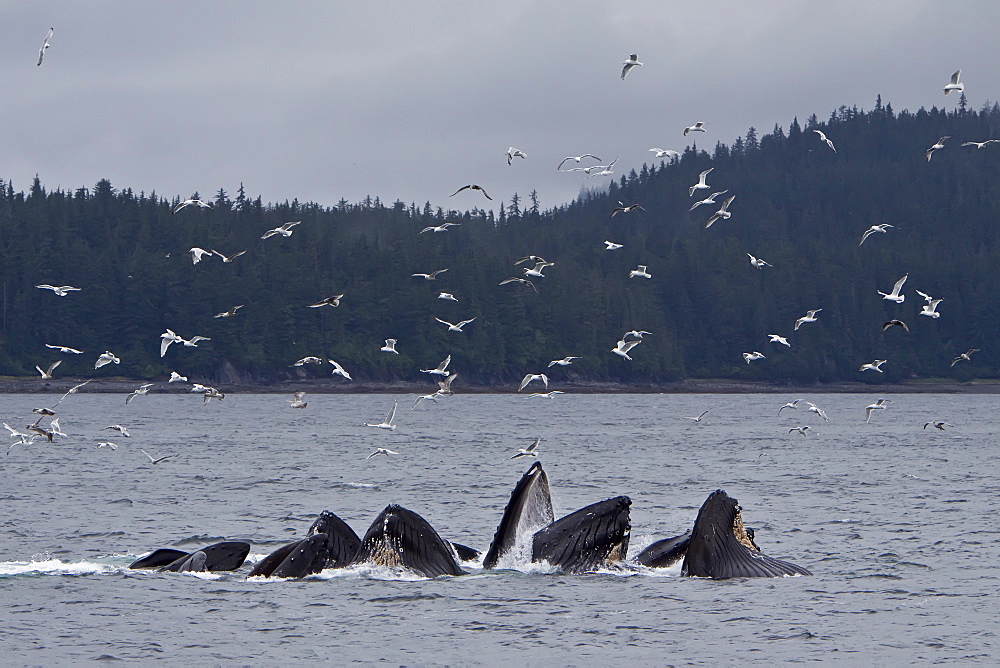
[(823, 138), (339, 370), (722, 213), (440, 370), (774, 338), (530, 451), (810, 316), (456, 327), (701, 185), (697, 127), (936, 146), (61, 290), (873, 229), (566, 361), (629, 64), (192, 201), (755, 355), (156, 460), (531, 377), (472, 186), (894, 296), (107, 357), (791, 404), (387, 422), (47, 373), (431, 276), (870, 408), (577, 159), (873, 366), (64, 349), (640, 272), (611, 245), (964, 357), (954, 84), (389, 347), (381, 451), (515, 153), (285, 230), (45, 45), (333, 301)]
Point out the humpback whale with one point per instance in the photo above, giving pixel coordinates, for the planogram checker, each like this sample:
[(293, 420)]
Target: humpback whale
[(529, 509), (329, 543), (224, 556), (592, 537), (720, 547), (401, 538), (666, 552)]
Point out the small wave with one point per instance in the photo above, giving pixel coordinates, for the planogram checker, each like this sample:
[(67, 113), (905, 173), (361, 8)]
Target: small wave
[(56, 567)]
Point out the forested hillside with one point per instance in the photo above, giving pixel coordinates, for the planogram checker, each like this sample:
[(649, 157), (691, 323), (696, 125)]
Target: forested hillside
[(799, 205)]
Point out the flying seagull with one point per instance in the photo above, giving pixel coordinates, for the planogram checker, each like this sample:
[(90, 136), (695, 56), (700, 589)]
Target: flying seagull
[(873, 366), (285, 230), (938, 424), (296, 400), (757, 262), (168, 337), (873, 229), (823, 138), (611, 245), (45, 45), (142, 390), (472, 186), (750, 357), (191, 201), (621, 208), (775, 338), (722, 213), (566, 361), (697, 419), (801, 430), (387, 422), (791, 404), (640, 272), (697, 127), (577, 159), (708, 200), (440, 370), (177, 378), (457, 327), (665, 153), (61, 290), (64, 349), (382, 451), (523, 281), (227, 260), (120, 429), (629, 64), (623, 347), (448, 296), (530, 451), (531, 377), (813, 408), (389, 347), (443, 227), (964, 357), (936, 146), (198, 253), (308, 360), (894, 323), (930, 308), (954, 84), (107, 357), (230, 313), (537, 269), (701, 185), (894, 296), (47, 373), (431, 276), (156, 460), (515, 153), (870, 408), (981, 144), (810, 316), (339, 370), (333, 301)]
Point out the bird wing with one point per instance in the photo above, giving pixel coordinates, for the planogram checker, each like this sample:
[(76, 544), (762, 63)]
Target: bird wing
[(899, 285), (954, 77), (392, 412), (444, 322), (524, 381), (464, 323)]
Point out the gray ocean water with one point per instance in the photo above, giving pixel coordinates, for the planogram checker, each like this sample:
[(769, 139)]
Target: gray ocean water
[(898, 524)]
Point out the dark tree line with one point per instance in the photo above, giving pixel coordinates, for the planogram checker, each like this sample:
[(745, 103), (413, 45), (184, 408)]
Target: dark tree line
[(799, 205)]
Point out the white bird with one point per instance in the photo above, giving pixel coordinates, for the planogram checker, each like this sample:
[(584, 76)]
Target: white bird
[(168, 337), (537, 269), (198, 253), (382, 451), (177, 378), (192, 201), (456, 327), (285, 230), (981, 144), (515, 153), (878, 405), (774, 338), (531, 377), (629, 64), (64, 349), (611, 245), (758, 263), (823, 138), (333, 301), (296, 400), (750, 357), (47, 373), (813, 408), (964, 357), (227, 260), (546, 395), (954, 84), (431, 276), (389, 347), (637, 333), (665, 152), (193, 341), (588, 170), (936, 146), (530, 451), (61, 290), (722, 213), (791, 404), (444, 386), (873, 229), (810, 316), (212, 393), (339, 370), (894, 296), (697, 127), (443, 227), (699, 418), (640, 271), (708, 200), (142, 390), (440, 370), (72, 390), (930, 309), (432, 397), (523, 281), (387, 422), (230, 313), (701, 185), (873, 366), (120, 429), (448, 296), (801, 430), (605, 169), (107, 444), (156, 460), (577, 159), (45, 45), (308, 360), (624, 346), (621, 208), (107, 357), (566, 361)]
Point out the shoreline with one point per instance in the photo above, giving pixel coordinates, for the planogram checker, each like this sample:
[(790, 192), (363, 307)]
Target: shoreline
[(326, 386)]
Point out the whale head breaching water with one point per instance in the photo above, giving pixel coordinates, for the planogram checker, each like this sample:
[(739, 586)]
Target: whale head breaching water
[(529, 509), (721, 547), (329, 543), (224, 556), (401, 538)]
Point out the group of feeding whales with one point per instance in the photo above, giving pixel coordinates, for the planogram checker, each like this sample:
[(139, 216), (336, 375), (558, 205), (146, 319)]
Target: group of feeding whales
[(591, 538)]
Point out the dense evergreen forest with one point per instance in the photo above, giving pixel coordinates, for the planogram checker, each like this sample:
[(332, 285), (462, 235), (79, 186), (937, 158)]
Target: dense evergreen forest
[(799, 205)]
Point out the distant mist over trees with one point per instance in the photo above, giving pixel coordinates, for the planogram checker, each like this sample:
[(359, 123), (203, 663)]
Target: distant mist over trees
[(799, 205)]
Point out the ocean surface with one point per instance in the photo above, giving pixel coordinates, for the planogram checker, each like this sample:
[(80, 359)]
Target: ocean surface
[(897, 522)]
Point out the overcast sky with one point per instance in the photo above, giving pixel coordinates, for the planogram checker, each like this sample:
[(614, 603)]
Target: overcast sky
[(411, 100)]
